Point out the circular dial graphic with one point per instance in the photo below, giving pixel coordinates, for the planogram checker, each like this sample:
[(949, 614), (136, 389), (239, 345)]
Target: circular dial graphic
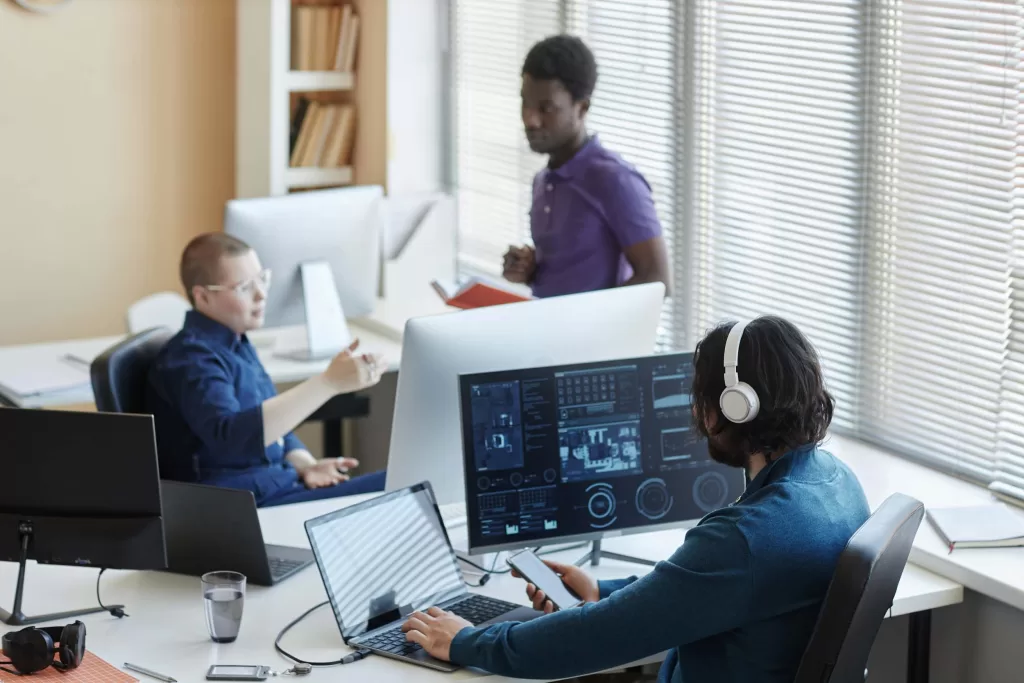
[(710, 491), (484, 483), (516, 479), (653, 499), (601, 505), (549, 476)]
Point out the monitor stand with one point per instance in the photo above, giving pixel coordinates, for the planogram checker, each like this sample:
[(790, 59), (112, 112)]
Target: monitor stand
[(16, 617), (327, 333), (595, 554)]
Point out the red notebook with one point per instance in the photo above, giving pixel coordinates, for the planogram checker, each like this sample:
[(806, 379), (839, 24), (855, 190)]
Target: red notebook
[(476, 293)]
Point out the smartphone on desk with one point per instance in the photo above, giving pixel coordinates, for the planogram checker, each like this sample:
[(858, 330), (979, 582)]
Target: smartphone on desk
[(533, 569)]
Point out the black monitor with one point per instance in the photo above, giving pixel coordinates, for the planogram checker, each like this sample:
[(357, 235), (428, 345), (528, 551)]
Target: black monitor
[(575, 452), (78, 488)]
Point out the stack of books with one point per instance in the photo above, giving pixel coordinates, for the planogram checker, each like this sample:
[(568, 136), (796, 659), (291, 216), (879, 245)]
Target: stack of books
[(322, 134), (324, 38)]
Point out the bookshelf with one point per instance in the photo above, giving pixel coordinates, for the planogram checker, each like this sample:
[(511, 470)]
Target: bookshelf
[(270, 86)]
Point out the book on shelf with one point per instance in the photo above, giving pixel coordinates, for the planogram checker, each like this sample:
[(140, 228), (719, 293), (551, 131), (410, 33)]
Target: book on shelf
[(324, 37), (979, 526), (323, 134), (303, 20), (477, 292)]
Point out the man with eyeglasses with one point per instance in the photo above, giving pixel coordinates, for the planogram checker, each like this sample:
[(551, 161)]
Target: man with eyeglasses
[(219, 420)]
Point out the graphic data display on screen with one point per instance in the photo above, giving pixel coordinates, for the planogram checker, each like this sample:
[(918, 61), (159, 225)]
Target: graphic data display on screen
[(577, 450)]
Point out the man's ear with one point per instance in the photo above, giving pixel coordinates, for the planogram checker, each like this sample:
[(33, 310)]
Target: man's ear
[(199, 294), (584, 106)]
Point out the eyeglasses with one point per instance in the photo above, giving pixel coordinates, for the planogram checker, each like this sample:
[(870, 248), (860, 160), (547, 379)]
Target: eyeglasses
[(245, 288)]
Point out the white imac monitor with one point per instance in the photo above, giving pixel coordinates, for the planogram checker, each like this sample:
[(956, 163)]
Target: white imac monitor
[(426, 436), (340, 228)]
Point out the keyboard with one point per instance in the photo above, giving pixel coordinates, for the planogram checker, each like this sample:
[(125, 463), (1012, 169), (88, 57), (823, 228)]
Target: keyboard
[(392, 641), (280, 567), (476, 609)]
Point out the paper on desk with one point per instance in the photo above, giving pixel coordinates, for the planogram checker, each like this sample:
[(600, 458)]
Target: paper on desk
[(32, 379), (92, 670), (86, 351)]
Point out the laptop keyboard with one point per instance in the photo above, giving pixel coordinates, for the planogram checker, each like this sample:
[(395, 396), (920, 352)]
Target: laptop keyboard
[(280, 567), (476, 609), (392, 641)]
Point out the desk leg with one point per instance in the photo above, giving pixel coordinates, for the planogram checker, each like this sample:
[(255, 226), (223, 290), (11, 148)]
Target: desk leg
[(333, 447), (919, 647)]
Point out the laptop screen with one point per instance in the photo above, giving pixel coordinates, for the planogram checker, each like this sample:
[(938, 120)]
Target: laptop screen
[(385, 558)]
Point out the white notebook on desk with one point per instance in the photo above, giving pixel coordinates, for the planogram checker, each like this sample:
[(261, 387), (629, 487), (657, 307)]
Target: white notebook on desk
[(24, 380), (979, 526)]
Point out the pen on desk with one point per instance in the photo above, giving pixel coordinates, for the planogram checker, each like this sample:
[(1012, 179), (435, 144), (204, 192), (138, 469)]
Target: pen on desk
[(149, 672)]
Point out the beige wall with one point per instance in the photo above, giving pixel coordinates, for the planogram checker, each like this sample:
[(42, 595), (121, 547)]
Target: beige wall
[(116, 146)]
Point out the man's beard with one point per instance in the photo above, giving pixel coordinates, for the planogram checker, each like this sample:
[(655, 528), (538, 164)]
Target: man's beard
[(725, 456)]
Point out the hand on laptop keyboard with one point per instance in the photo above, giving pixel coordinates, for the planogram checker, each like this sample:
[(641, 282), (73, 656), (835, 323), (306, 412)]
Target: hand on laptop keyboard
[(434, 631)]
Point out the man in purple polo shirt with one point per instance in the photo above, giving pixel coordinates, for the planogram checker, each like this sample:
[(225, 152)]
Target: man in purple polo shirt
[(593, 220)]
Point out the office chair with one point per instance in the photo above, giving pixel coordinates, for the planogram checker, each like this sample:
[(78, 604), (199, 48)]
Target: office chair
[(860, 594), (119, 374)]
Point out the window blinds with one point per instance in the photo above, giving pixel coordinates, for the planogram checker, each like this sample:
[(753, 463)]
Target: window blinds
[(856, 166), (937, 364), (636, 44), (778, 164), (493, 165)]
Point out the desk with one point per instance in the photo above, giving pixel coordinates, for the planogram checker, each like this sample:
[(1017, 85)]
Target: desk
[(374, 338), (994, 572), (166, 631)]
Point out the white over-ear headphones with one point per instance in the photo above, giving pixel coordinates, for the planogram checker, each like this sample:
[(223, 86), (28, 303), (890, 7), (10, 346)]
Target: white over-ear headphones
[(739, 401)]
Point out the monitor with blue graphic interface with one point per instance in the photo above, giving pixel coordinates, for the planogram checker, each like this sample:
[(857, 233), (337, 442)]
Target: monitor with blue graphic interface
[(577, 452)]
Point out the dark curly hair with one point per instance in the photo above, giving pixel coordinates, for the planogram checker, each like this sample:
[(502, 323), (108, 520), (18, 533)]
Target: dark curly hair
[(781, 365), (566, 59)]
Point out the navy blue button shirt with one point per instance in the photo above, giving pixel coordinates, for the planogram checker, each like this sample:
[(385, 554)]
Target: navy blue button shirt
[(206, 390), (736, 603)]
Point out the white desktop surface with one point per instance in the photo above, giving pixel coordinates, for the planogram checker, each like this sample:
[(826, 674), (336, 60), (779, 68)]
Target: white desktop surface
[(373, 339), (995, 572), (166, 631)]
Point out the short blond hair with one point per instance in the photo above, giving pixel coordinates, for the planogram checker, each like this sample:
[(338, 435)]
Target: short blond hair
[(200, 261)]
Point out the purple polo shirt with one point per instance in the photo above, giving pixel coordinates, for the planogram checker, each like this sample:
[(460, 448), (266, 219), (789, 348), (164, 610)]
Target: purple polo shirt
[(584, 215)]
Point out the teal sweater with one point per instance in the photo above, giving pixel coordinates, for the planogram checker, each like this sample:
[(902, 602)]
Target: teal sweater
[(736, 603)]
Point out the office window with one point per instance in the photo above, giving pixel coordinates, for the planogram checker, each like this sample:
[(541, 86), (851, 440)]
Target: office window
[(493, 164), (638, 46), (778, 173), (942, 356), (852, 165)]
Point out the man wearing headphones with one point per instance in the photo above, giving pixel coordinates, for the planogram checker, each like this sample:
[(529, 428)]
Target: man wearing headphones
[(738, 601)]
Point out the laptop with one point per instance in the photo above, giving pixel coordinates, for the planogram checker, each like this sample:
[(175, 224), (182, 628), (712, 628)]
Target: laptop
[(212, 529), (388, 557)]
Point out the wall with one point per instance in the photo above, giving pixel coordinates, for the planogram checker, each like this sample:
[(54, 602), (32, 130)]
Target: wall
[(978, 641), (116, 146), (415, 92)]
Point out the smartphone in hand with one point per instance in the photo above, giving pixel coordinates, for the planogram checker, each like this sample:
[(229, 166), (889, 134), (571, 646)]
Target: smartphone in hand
[(533, 569)]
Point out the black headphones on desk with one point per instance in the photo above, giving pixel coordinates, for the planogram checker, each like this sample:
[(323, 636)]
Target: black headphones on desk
[(32, 649)]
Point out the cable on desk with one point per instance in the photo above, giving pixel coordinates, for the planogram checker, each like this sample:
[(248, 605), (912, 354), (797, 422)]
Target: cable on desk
[(114, 611), (537, 551), (347, 659)]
